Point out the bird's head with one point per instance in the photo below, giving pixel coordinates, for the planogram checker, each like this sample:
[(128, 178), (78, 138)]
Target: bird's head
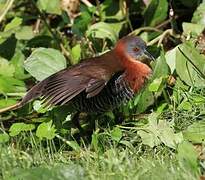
[(133, 48)]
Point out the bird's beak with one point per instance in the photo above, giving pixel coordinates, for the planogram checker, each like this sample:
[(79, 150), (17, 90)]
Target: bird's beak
[(148, 55)]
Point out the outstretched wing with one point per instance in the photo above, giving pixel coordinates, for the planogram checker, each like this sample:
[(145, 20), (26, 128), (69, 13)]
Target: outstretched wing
[(64, 85)]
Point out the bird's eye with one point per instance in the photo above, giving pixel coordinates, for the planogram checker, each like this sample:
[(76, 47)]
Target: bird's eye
[(135, 49)]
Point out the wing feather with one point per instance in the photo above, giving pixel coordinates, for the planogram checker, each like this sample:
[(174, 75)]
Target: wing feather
[(64, 85)]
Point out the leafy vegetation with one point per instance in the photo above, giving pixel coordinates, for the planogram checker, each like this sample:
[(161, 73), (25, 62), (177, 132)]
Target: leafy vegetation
[(163, 128)]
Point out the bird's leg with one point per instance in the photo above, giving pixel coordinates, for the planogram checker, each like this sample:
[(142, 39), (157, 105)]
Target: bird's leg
[(76, 121), (119, 116)]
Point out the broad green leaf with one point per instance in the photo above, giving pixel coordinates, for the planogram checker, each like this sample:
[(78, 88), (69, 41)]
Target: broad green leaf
[(6, 68), (40, 41), (116, 134), (199, 14), (4, 137), (44, 62), (188, 157), (148, 138), (156, 132), (186, 70), (146, 99), (171, 59), (102, 30), (16, 22), (192, 29), (24, 33), (46, 130), (49, 6), (156, 12), (17, 128), (155, 85), (195, 132), (161, 67)]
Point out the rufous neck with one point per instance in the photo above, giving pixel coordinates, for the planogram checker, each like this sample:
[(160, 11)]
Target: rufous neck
[(136, 72)]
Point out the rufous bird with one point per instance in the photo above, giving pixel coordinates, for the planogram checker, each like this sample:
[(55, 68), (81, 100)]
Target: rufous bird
[(97, 84)]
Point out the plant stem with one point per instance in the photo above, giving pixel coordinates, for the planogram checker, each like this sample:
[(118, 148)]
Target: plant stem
[(7, 7), (43, 17)]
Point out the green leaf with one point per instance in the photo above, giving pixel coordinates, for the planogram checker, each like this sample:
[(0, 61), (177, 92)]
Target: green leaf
[(37, 106), (7, 48), (46, 130), (155, 85), (187, 156), (111, 10), (9, 84), (170, 57), (161, 67), (44, 62), (81, 23), (76, 53), (40, 41), (116, 134), (148, 138), (156, 132), (195, 132), (156, 12), (74, 145), (4, 137), (199, 14), (24, 33), (16, 22), (52, 7), (18, 61), (17, 128), (161, 70), (184, 67), (102, 30), (185, 105), (146, 99), (6, 68), (192, 29)]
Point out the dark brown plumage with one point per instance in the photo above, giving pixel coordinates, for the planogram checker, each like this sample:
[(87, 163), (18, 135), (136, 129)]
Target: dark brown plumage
[(97, 84)]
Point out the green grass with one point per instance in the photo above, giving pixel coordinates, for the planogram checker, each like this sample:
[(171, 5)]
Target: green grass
[(114, 163), (115, 152)]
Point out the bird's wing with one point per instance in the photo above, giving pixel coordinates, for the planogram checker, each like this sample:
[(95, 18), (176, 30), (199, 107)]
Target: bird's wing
[(64, 85)]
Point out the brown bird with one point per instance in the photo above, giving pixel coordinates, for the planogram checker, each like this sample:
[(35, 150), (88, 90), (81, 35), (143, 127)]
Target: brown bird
[(97, 84)]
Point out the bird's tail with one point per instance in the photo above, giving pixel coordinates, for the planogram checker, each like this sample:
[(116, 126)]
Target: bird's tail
[(33, 93), (15, 106)]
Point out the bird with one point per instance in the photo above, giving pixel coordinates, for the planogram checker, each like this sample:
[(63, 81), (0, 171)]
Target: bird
[(97, 84)]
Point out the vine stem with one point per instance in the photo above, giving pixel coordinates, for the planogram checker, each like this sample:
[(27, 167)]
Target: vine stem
[(55, 37), (42, 15)]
